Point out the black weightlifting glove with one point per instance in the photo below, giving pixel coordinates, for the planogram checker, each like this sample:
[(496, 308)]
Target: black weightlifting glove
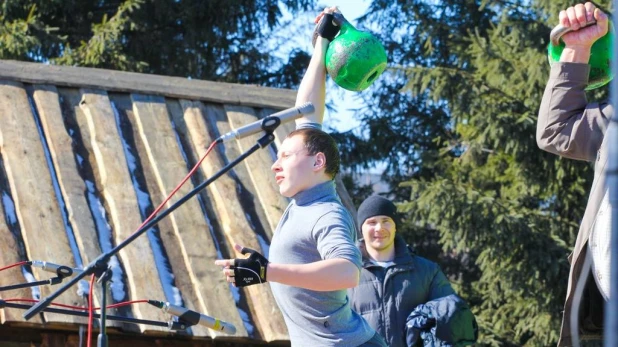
[(250, 271), (326, 28)]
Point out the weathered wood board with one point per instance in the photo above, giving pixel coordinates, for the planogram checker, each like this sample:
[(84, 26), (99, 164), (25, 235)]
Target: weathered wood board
[(120, 195), (193, 237), (35, 200), (12, 276), (120, 81), (259, 166), (233, 220), (71, 184)]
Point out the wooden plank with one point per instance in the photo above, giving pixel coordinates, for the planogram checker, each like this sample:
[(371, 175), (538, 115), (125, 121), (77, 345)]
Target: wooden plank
[(9, 254), (208, 201), (247, 194), (181, 277), (259, 167), (36, 206), (77, 125), (120, 81), (71, 99), (232, 219), (71, 184), (184, 137), (209, 212), (192, 236), (119, 194)]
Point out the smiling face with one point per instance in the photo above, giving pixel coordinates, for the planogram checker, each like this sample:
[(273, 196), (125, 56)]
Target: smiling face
[(379, 235), (295, 170)]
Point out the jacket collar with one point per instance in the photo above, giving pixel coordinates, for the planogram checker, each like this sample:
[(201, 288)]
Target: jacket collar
[(403, 253)]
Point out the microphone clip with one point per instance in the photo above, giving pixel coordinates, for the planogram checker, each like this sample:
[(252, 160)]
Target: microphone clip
[(270, 123), (104, 276), (179, 325), (62, 272)]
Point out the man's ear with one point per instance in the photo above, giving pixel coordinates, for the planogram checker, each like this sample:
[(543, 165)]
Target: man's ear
[(320, 161)]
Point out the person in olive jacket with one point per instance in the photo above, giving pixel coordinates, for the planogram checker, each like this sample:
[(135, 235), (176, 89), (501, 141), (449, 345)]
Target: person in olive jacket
[(394, 280)]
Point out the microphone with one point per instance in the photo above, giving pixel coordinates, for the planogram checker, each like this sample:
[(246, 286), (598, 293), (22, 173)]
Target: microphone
[(60, 270), (194, 318), (255, 127)]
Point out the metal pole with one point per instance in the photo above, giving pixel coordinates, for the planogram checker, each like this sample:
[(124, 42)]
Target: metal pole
[(4, 304), (611, 307)]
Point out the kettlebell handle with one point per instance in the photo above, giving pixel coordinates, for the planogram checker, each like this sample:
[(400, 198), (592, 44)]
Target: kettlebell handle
[(558, 31), (339, 19)]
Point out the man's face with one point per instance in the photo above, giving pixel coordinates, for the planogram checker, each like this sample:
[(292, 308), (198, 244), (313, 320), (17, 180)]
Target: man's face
[(294, 168), (379, 233)]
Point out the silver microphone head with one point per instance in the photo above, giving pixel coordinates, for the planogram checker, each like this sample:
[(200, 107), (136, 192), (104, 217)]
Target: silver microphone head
[(306, 108)]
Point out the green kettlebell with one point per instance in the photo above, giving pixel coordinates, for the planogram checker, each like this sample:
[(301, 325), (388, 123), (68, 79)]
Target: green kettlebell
[(600, 55), (354, 59)]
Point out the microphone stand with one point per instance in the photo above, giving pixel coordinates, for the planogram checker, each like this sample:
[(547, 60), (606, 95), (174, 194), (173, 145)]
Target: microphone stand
[(103, 280), (99, 265)]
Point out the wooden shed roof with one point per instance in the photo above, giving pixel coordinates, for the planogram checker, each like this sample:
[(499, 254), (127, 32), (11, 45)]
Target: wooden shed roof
[(85, 156)]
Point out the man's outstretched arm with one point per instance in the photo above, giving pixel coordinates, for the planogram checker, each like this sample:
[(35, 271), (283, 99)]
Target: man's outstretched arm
[(313, 85)]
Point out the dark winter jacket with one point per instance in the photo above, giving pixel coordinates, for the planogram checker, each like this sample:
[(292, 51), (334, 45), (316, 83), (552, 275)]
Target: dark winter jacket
[(385, 297), (443, 322)]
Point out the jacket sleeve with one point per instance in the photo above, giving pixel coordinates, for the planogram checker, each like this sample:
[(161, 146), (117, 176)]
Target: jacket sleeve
[(447, 321), (440, 285), (567, 124)]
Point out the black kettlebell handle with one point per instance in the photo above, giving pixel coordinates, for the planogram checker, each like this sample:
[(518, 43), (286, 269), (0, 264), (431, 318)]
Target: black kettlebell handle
[(338, 20)]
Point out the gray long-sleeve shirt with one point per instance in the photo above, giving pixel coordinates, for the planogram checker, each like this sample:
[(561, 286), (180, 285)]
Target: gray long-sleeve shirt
[(315, 226)]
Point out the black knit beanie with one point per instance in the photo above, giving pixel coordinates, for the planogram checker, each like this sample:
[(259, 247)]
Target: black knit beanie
[(376, 206)]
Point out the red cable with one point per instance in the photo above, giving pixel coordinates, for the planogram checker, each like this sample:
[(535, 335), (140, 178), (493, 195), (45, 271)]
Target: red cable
[(126, 303), (14, 265), (90, 310)]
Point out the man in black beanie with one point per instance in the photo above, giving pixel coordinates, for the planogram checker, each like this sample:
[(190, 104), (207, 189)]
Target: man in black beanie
[(394, 280)]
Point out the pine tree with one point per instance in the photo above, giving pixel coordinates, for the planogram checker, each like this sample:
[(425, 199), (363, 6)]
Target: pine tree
[(454, 119), (213, 40)]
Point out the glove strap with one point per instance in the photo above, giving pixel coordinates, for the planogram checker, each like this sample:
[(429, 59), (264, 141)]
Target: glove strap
[(325, 28)]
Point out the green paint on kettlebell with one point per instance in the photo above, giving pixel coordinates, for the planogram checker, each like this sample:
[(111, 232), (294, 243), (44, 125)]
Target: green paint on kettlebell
[(600, 59), (355, 59)]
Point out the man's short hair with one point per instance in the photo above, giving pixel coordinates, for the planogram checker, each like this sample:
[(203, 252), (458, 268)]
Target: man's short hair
[(318, 141)]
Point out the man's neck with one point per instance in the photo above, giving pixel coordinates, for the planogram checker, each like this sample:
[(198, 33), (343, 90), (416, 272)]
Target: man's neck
[(321, 180), (317, 182), (314, 191), (381, 255)]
